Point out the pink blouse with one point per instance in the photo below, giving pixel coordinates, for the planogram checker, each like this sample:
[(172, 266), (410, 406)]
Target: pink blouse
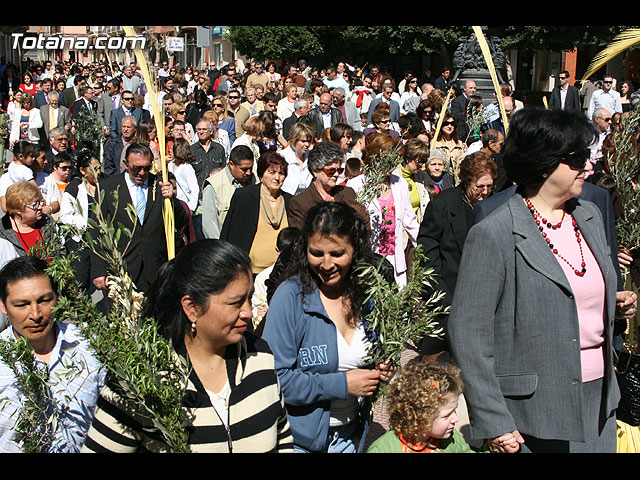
[(589, 294), (387, 233)]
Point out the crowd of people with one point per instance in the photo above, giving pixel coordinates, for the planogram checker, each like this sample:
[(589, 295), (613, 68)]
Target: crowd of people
[(266, 165)]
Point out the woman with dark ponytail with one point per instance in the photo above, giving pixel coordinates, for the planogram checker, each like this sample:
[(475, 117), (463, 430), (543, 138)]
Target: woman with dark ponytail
[(201, 301)]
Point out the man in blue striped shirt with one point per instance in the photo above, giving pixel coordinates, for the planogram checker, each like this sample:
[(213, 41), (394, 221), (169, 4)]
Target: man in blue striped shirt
[(74, 376)]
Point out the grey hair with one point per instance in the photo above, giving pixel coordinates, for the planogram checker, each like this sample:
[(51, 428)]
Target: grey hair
[(133, 119), (598, 113), (58, 131), (436, 152), (323, 154), (53, 94), (339, 91), (300, 103)]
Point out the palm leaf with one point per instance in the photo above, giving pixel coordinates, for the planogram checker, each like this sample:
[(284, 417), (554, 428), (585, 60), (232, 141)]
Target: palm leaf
[(159, 116), (486, 52), (445, 105), (620, 43)]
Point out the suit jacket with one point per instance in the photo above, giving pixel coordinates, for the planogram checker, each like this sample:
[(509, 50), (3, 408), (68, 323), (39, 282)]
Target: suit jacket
[(68, 96), (316, 115), (148, 248), (353, 116), (105, 106), (64, 118), (394, 110), (514, 327), (571, 102), (115, 121), (241, 223), (40, 99), (459, 106), (597, 195), (80, 105), (301, 203), (442, 234)]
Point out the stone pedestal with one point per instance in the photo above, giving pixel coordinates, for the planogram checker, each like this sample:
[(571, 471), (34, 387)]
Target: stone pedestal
[(484, 84)]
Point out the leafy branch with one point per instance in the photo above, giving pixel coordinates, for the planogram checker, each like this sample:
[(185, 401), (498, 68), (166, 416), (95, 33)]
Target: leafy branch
[(400, 315), (142, 366)]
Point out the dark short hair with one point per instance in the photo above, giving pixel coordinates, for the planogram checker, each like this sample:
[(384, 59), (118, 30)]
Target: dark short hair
[(538, 139), (269, 158), (139, 148), (240, 153), (21, 268)]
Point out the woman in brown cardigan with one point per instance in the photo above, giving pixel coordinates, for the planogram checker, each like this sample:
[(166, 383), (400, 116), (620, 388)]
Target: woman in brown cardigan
[(325, 163)]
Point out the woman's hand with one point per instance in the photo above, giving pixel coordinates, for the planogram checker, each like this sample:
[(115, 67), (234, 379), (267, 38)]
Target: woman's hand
[(506, 443), (362, 382), (626, 304)]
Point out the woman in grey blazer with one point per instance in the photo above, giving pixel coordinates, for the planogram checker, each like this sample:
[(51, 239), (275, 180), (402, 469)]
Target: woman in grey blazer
[(536, 298)]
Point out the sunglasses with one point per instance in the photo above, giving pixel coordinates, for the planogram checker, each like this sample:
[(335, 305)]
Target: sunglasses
[(578, 159), (450, 122), (330, 172), (136, 169)]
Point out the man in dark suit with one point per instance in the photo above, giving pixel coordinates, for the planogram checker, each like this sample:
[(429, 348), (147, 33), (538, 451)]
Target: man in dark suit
[(459, 103), (300, 108), (394, 107), (40, 98), (84, 104), (71, 94), (146, 250), (565, 96), (126, 109), (325, 115)]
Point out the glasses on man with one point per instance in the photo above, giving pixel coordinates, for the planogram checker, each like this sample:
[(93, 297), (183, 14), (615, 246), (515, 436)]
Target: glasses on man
[(138, 168)]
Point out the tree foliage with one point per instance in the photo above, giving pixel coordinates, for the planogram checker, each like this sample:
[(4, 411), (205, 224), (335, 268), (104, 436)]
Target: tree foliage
[(296, 41)]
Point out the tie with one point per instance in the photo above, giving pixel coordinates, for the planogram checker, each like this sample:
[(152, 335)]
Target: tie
[(141, 203), (52, 117)]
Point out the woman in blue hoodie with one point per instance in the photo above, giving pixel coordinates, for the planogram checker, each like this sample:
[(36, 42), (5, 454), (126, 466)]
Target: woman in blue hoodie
[(316, 332)]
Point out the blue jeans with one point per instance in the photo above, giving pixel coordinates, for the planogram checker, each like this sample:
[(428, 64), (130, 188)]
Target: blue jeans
[(344, 439)]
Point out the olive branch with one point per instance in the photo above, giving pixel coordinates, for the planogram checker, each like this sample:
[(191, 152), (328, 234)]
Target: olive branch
[(400, 316)]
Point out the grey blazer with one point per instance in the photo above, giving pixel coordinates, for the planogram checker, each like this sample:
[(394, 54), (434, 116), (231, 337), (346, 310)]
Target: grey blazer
[(514, 327)]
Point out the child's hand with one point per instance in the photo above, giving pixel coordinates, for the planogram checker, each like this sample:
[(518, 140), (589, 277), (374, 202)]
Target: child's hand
[(506, 443), (386, 371)]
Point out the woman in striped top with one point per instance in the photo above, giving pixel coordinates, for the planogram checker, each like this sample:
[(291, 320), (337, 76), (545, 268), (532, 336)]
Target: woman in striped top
[(233, 403)]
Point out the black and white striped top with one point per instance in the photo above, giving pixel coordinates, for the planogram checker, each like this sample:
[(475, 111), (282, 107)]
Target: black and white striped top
[(257, 416)]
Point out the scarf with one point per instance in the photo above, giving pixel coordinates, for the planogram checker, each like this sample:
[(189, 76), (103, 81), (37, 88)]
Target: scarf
[(417, 447), (413, 189), (361, 93), (272, 216)]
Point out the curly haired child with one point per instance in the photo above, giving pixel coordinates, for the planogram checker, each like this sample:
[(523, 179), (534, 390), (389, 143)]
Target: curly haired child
[(422, 400)]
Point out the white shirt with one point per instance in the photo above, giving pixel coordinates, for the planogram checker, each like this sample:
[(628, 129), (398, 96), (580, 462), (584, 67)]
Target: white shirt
[(186, 183), (299, 177)]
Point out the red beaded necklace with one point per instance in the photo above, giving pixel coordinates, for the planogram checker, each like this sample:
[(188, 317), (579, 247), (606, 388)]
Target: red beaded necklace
[(542, 223)]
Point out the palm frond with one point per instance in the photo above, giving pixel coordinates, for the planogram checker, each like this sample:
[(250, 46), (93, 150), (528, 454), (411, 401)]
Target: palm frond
[(169, 220), (486, 52), (620, 43)]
